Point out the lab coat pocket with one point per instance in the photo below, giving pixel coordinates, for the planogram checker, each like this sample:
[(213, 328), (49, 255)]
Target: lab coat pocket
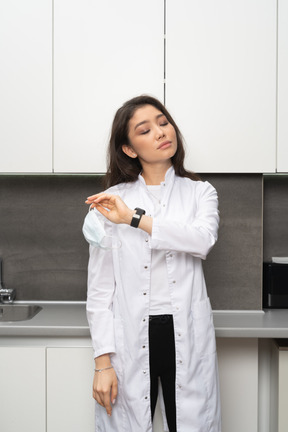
[(204, 332)]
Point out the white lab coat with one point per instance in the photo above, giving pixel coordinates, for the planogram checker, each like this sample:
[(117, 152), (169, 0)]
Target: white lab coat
[(118, 305)]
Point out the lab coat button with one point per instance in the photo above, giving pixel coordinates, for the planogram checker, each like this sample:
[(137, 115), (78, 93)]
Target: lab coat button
[(144, 372), (174, 281), (145, 267), (143, 346), (144, 293), (146, 240)]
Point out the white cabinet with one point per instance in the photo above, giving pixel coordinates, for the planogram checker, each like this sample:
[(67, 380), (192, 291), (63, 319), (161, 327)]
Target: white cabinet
[(70, 406), (238, 373), (46, 386), (22, 393), (66, 69), (26, 86), (279, 387), (221, 82), (282, 131), (283, 392), (104, 54)]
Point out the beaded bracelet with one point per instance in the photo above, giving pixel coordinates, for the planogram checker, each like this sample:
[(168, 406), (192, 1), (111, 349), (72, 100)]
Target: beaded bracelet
[(100, 370)]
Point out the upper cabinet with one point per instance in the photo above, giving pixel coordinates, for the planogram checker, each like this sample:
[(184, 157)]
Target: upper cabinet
[(282, 135), (68, 65), (221, 82), (26, 86), (104, 54)]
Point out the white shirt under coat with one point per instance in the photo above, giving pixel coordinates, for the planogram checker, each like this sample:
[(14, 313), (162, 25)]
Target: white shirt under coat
[(118, 305), (160, 302)]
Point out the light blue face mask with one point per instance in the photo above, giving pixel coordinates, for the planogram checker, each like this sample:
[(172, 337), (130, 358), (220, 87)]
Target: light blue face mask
[(95, 234)]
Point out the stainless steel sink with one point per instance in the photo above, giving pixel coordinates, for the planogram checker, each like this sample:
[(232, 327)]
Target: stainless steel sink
[(17, 312)]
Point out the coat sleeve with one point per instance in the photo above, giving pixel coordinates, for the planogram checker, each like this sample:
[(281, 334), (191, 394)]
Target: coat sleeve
[(101, 286), (197, 236)]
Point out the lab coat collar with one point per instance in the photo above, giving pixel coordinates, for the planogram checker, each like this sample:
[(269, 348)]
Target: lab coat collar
[(169, 176)]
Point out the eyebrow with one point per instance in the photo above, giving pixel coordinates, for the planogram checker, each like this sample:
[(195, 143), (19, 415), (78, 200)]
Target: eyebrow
[(147, 121)]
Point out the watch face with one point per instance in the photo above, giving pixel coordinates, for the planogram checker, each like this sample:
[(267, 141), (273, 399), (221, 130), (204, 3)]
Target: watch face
[(139, 211)]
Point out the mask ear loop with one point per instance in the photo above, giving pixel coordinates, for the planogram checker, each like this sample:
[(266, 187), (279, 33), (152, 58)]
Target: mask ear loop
[(118, 244)]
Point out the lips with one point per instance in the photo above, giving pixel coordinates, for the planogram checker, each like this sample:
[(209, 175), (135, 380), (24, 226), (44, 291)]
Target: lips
[(164, 145)]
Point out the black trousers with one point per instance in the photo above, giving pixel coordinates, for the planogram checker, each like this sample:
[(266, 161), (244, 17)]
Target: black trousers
[(163, 365)]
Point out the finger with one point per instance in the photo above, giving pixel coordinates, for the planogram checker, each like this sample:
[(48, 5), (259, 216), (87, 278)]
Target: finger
[(114, 391), (93, 197), (106, 401), (102, 210), (89, 201), (100, 196), (98, 399), (105, 203)]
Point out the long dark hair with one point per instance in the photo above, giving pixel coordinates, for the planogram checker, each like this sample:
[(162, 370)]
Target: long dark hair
[(122, 168)]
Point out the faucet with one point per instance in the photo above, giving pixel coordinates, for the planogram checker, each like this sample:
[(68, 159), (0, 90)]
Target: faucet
[(6, 295)]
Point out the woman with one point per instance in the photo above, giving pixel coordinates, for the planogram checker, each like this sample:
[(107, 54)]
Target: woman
[(150, 318)]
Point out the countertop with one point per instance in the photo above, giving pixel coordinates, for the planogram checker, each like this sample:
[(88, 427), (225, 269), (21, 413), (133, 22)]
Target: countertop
[(68, 319)]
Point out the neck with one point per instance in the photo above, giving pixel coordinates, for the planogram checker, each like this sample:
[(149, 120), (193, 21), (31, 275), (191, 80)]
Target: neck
[(154, 175)]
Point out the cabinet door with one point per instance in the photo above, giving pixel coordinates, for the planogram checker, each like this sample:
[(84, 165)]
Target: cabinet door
[(221, 82), (283, 390), (105, 53), (238, 374), (26, 86), (282, 395), (282, 151), (22, 394), (70, 406)]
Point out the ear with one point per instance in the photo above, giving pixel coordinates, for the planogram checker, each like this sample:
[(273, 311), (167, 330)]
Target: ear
[(127, 149)]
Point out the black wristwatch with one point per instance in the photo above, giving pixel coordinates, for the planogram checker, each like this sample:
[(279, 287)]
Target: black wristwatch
[(137, 217)]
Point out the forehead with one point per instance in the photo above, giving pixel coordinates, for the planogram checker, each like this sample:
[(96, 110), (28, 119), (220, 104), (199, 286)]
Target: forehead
[(145, 113)]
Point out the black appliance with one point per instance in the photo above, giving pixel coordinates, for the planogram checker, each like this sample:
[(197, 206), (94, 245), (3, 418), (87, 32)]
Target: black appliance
[(275, 285)]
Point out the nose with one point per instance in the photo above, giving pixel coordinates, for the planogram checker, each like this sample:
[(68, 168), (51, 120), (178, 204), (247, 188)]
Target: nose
[(159, 132)]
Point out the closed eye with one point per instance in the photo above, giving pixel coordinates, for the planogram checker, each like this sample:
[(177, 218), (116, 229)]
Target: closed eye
[(145, 132)]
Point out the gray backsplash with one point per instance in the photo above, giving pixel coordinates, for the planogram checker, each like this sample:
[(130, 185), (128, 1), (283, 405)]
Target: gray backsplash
[(41, 242), (233, 268), (45, 255)]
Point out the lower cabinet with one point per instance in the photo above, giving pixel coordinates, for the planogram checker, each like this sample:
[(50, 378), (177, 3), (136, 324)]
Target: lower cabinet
[(46, 386), (22, 389), (238, 374), (279, 386), (45, 389), (70, 405)]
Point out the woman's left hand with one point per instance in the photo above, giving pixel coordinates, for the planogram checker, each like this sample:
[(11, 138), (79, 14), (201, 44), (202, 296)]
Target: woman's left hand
[(112, 207)]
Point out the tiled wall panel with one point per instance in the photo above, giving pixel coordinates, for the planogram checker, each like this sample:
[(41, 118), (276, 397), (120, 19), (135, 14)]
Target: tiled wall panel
[(234, 267), (45, 255)]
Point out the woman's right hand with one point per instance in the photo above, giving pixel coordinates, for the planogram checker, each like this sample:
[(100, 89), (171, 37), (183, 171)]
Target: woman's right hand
[(105, 388), (112, 207)]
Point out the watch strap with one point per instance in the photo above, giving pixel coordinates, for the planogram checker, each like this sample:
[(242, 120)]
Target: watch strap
[(137, 217)]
